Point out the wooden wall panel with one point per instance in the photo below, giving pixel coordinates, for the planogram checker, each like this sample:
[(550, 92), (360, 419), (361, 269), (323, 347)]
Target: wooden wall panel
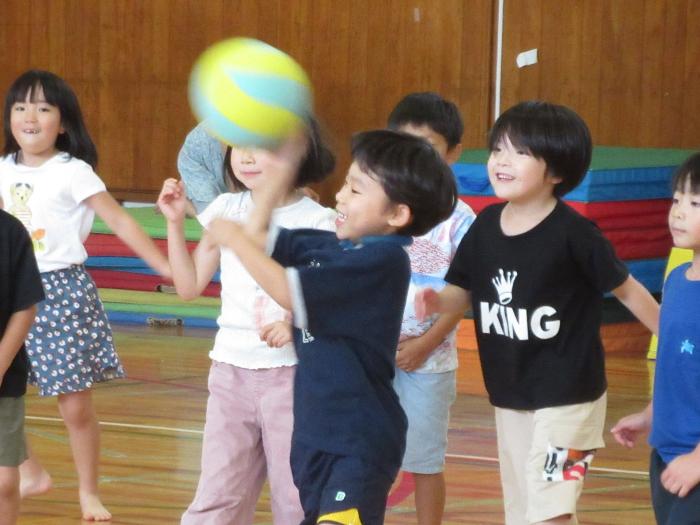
[(129, 60), (629, 67)]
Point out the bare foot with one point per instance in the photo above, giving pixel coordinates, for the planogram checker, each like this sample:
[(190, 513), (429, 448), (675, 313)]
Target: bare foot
[(92, 508), (34, 483)]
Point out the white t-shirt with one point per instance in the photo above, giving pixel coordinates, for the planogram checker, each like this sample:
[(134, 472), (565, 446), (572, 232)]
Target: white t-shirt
[(430, 259), (49, 200), (245, 307)]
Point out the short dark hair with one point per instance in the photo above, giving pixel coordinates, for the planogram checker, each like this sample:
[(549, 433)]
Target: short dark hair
[(430, 109), (318, 163), (75, 140), (399, 162), (687, 173), (553, 133)]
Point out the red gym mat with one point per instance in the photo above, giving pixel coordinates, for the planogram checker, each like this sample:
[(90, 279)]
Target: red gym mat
[(140, 281)]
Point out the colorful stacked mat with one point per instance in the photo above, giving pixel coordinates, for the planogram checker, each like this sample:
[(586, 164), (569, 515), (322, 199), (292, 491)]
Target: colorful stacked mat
[(626, 192), (131, 291)]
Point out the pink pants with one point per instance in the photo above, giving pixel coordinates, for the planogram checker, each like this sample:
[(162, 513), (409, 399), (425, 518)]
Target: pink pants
[(247, 436)]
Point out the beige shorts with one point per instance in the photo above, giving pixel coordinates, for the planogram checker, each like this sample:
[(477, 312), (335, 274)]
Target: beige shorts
[(544, 456), (13, 450)]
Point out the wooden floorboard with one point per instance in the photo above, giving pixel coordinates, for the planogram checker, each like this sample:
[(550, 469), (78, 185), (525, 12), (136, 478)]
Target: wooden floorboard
[(151, 439)]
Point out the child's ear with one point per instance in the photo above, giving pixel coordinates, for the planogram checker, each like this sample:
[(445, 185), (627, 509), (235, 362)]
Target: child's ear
[(401, 216), (453, 153)]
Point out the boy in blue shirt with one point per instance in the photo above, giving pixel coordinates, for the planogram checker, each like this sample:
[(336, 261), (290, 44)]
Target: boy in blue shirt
[(535, 273), (20, 290), (674, 414), (426, 362), (347, 294)]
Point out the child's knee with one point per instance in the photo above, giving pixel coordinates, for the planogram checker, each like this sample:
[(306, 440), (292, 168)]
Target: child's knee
[(76, 409)]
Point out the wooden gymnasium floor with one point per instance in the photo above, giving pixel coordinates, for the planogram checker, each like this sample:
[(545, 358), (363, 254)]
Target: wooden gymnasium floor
[(151, 438)]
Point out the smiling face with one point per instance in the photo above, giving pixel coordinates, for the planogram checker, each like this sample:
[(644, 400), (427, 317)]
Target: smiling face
[(684, 218), (35, 125), (364, 209), (516, 175)]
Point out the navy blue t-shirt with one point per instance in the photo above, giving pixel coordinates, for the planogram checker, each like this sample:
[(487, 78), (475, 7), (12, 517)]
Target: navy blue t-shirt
[(348, 307), (20, 288)]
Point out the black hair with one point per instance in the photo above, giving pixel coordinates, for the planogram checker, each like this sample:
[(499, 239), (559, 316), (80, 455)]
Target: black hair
[(429, 109), (75, 140), (553, 133), (399, 162), (687, 175), (317, 164)]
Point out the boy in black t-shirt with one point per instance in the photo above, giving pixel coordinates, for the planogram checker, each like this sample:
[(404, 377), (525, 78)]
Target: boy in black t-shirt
[(536, 272), (347, 292), (20, 290)]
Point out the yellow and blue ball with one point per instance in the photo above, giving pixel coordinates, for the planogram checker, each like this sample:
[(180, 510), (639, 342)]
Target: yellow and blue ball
[(248, 93)]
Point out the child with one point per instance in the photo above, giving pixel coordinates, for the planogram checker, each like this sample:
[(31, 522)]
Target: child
[(536, 272), (427, 355), (674, 414), (20, 290), (47, 181), (347, 294), (248, 428)]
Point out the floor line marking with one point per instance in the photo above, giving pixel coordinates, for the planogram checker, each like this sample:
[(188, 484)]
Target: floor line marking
[(126, 425), (484, 459)]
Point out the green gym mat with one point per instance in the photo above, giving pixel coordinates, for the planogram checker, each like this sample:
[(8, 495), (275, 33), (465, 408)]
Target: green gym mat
[(153, 223)]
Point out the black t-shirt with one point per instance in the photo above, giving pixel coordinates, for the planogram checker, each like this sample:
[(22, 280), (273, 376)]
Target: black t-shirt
[(537, 300), (20, 288), (352, 299)]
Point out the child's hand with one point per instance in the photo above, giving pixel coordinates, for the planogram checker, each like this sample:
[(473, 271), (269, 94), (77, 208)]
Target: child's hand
[(276, 334), (427, 303), (630, 427), (412, 353), (682, 474), (172, 201), (282, 168)]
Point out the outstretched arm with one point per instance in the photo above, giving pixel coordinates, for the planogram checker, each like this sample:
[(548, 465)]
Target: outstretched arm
[(629, 428), (128, 230), (451, 299), (640, 302)]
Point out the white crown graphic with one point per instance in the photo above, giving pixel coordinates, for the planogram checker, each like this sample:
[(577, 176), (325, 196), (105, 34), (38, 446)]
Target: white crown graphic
[(504, 285)]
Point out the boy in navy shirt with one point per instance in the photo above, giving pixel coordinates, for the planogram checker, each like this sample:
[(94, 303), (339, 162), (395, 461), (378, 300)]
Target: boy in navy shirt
[(20, 290), (347, 294)]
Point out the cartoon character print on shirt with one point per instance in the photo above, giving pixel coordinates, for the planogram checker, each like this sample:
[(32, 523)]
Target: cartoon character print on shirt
[(20, 193), (516, 323)]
